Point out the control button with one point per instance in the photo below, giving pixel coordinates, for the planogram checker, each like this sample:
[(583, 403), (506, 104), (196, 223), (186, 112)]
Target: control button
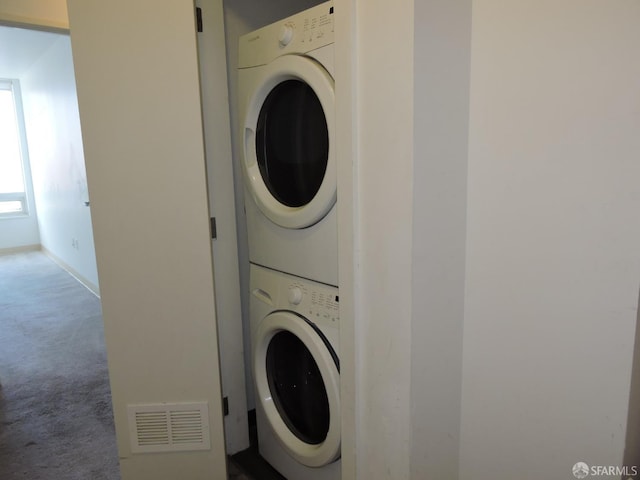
[(286, 35), (295, 295)]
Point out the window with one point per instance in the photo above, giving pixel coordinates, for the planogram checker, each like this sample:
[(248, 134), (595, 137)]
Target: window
[(13, 198)]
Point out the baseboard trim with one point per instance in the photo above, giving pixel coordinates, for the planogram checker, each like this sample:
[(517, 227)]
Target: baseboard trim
[(20, 249), (93, 288)]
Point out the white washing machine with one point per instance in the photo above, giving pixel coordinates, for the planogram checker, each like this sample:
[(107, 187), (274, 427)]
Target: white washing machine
[(286, 107), (296, 370)]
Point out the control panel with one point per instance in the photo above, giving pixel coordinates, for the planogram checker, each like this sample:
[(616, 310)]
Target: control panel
[(310, 29), (300, 33), (316, 302)]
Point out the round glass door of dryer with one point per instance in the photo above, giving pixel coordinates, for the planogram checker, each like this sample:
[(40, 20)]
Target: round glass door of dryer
[(292, 143), (297, 378), (289, 160)]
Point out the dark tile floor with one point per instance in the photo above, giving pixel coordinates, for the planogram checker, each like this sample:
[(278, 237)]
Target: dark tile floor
[(248, 464), (235, 473)]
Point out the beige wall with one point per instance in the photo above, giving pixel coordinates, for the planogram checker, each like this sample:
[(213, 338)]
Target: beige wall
[(213, 74), (553, 264), (139, 96), (632, 450), (442, 54), (538, 374), (382, 224), (49, 14)]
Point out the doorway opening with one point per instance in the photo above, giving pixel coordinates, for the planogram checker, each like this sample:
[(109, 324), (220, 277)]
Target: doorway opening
[(55, 399)]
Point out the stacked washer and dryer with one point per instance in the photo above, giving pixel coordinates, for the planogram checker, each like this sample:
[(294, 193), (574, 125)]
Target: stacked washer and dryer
[(286, 107)]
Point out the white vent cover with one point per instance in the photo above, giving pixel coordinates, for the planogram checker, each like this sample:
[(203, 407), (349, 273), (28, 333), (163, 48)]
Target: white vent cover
[(169, 427)]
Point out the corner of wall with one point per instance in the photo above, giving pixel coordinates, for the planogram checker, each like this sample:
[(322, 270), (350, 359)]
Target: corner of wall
[(632, 447)]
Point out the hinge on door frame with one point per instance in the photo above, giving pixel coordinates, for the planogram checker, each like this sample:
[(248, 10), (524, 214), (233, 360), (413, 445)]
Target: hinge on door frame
[(225, 406), (198, 19), (214, 228)]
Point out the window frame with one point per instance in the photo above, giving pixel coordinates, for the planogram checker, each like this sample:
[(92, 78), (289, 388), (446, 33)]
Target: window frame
[(13, 85)]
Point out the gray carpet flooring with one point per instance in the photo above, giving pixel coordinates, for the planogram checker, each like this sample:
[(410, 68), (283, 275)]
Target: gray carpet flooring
[(56, 420)]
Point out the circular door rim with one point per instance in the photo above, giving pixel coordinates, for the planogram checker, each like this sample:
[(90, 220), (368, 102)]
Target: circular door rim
[(267, 77), (305, 453)]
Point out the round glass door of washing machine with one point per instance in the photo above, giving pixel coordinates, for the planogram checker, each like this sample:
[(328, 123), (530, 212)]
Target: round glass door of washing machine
[(297, 384), (289, 162)]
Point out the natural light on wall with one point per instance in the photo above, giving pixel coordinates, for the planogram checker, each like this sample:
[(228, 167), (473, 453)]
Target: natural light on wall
[(12, 186)]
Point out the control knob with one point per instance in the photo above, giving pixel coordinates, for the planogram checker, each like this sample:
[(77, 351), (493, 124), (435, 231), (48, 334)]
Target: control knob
[(286, 35), (295, 295)]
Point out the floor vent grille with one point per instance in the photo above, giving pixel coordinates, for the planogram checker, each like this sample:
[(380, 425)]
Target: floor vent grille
[(169, 427)]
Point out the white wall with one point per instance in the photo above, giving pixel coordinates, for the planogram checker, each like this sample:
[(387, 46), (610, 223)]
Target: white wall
[(57, 160), (442, 51), (553, 264), (139, 98)]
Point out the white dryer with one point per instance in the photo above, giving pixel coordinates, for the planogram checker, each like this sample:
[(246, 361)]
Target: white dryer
[(296, 371), (286, 110)]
